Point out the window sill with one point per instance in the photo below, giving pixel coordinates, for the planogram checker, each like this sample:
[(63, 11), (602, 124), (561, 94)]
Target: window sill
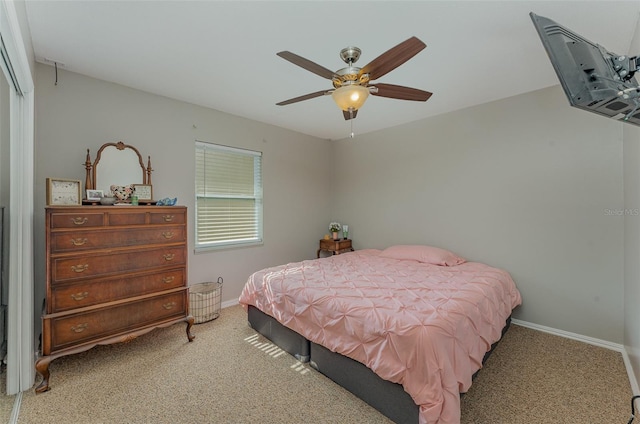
[(229, 246)]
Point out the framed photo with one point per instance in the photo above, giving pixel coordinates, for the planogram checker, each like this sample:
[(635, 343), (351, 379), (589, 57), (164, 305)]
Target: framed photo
[(144, 192), (94, 194), (61, 192)]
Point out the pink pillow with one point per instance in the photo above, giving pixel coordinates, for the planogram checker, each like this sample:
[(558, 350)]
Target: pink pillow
[(426, 254)]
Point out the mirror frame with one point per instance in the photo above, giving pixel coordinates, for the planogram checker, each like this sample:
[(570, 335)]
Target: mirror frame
[(90, 182)]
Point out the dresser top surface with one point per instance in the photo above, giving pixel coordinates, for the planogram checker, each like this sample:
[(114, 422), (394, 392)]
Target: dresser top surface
[(89, 208)]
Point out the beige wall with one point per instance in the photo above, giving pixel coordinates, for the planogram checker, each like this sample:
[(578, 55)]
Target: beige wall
[(632, 235), (82, 112), (527, 184)]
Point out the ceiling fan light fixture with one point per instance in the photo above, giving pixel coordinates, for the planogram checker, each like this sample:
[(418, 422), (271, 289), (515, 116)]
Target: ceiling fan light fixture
[(350, 97)]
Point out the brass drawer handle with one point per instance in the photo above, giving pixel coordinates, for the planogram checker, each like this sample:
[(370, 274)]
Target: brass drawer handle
[(169, 305), (79, 268), (79, 296), (79, 241), (79, 328), (168, 280), (169, 257), (168, 218), (168, 235), (80, 220)]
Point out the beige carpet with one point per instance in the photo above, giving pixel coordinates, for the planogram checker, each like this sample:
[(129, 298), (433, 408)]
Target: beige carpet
[(6, 402), (230, 375), (534, 377)]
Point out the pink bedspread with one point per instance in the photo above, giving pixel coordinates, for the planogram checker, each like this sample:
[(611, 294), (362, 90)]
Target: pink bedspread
[(424, 326)]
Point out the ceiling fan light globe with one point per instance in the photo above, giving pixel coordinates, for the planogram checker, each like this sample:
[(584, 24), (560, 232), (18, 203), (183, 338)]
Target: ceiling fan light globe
[(350, 97)]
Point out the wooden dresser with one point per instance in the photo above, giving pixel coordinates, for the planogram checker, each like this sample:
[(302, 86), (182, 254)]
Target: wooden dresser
[(112, 273)]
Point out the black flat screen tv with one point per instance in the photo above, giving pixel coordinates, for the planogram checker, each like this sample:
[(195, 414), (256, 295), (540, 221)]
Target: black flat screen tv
[(592, 77)]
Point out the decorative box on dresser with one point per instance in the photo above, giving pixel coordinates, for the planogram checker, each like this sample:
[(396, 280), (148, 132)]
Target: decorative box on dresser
[(113, 273)]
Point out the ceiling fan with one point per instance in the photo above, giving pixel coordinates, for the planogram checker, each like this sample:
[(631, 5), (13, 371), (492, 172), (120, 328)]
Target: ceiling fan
[(352, 85)]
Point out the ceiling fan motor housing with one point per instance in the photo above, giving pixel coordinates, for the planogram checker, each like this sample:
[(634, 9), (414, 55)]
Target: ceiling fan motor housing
[(349, 76)]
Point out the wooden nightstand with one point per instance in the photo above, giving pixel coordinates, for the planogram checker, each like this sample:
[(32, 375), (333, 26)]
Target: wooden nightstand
[(335, 246)]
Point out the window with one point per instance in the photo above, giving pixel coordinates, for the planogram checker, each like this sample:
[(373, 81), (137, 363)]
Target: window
[(228, 196)]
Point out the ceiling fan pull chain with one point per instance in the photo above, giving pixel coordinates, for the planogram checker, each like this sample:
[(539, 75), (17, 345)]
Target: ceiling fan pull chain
[(352, 135)]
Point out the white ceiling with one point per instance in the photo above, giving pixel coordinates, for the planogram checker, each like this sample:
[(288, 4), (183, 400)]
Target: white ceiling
[(222, 54)]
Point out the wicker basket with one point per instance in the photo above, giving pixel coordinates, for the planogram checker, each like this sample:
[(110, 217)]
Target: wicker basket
[(205, 300)]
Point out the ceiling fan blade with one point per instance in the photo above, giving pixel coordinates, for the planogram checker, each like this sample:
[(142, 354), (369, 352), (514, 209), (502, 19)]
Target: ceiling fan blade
[(349, 114), (305, 97), (399, 92), (306, 64), (392, 58)]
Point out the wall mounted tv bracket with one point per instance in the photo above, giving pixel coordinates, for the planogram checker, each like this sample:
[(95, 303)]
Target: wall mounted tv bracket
[(626, 67)]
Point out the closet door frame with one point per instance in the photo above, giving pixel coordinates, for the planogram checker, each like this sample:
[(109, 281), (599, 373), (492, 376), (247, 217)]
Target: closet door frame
[(21, 352)]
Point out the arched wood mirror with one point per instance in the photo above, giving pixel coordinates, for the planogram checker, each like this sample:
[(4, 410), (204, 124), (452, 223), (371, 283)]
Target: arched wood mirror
[(116, 164)]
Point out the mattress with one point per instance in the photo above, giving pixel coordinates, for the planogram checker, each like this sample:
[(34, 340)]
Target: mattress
[(424, 326)]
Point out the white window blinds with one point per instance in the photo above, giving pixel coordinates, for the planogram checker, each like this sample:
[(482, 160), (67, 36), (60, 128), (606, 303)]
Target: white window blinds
[(228, 196)]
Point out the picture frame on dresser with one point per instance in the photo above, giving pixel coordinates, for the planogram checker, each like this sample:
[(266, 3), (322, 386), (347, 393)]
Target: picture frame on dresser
[(94, 194), (63, 192), (144, 192)]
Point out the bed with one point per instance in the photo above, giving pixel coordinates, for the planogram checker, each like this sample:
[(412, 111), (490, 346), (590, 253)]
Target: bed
[(404, 328)]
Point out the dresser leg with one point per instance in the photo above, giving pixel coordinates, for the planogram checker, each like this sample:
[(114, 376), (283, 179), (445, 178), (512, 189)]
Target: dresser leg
[(190, 320), (42, 366)]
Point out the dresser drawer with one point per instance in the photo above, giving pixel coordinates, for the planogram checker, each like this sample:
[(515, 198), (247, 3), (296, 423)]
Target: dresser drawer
[(114, 216), (75, 241), (168, 217), (66, 297), (130, 216), (71, 330), (91, 265), (81, 219)]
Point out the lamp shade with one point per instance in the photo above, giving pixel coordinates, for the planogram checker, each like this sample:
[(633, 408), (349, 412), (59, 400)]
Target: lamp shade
[(350, 96)]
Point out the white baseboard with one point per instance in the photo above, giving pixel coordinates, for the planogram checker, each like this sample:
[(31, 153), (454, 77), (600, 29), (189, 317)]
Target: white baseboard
[(569, 335), (226, 304), (592, 341), (632, 376)]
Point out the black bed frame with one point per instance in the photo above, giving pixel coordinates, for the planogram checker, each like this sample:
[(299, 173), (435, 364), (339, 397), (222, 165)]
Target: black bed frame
[(387, 397), (287, 339)]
